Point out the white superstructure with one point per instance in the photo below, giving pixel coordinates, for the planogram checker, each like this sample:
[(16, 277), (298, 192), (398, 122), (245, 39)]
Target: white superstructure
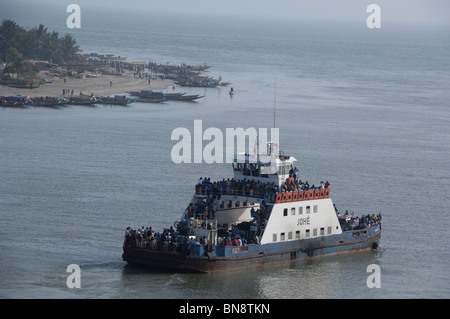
[(268, 182)]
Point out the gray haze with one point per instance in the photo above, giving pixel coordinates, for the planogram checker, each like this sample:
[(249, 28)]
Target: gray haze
[(407, 12)]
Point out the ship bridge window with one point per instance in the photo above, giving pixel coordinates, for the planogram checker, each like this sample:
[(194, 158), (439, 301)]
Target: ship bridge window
[(282, 237), (315, 209), (274, 237), (322, 231), (308, 209), (242, 167), (267, 169), (285, 212), (329, 230), (252, 169), (300, 210), (284, 169), (297, 234), (293, 211), (255, 169)]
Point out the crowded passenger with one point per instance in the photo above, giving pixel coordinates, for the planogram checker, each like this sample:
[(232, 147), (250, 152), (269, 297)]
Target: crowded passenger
[(252, 188)]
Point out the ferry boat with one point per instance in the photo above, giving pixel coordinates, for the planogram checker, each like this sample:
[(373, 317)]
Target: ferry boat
[(263, 214)]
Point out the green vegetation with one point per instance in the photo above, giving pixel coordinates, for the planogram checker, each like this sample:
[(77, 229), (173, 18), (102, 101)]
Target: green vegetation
[(18, 44)]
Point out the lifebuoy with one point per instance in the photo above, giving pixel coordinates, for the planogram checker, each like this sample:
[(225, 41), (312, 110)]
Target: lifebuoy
[(316, 194), (284, 197), (295, 196), (327, 193), (278, 198), (289, 197), (322, 193), (300, 195)]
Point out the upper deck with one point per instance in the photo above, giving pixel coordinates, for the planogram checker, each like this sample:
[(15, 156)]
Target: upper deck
[(271, 167)]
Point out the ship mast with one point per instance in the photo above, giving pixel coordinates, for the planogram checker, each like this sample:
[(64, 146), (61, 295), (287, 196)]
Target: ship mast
[(274, 101)]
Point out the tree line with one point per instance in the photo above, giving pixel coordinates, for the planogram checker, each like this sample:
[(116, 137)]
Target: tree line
[(17, 44)]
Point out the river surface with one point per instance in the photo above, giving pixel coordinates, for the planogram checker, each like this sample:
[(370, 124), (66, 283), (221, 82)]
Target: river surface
[(367, 110)]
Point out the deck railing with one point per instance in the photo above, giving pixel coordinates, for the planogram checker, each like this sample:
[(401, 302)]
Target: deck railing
[(270, 196)]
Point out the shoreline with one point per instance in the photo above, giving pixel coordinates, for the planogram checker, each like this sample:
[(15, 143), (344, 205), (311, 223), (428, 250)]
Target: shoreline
[(99, 86)]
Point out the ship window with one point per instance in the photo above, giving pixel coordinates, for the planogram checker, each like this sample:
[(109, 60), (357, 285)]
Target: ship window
[(315, 209), (307, 233), (222, 204), (244, 203), (293, 211), (300, 210), (230, 203), (329, 230), (285, 212), (308, 209), (236, 204), (282, 237), (255, 169), (314, 232), (322, 231), (297, 234), (274, 237), (290, 235)]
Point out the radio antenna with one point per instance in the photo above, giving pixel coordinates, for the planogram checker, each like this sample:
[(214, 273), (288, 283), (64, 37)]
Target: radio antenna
[(274, 101)]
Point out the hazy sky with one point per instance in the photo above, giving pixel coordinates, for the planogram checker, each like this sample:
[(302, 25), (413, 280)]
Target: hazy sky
[(392, 11)]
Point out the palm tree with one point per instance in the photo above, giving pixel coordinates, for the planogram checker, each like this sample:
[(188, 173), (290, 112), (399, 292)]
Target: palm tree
[(37, 43), (69, 48), (11, 36), (52, 50), (41, 34)]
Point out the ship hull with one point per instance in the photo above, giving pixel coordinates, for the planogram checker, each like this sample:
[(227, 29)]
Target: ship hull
[(226, 258)]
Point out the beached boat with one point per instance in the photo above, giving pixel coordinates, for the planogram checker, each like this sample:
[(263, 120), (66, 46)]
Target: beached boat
[(151, 100), (186, 97), (173, 95), (200, 67), (93, 75), (23, 85), (134, 93), (148, 96), (264, 214), (83, 100), (46, 101), (14, 101), (116, 100)]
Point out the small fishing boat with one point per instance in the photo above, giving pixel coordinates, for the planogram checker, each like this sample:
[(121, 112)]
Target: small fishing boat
[(151, 100), (116, 100), (83, 100), (46, 101), (186, 97), (173, 96), (14, 101), (23, 85)]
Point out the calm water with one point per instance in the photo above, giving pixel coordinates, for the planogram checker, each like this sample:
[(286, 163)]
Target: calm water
[(368, 110)]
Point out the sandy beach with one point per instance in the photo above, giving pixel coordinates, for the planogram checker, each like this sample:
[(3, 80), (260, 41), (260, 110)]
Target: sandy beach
[(99, 86)]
